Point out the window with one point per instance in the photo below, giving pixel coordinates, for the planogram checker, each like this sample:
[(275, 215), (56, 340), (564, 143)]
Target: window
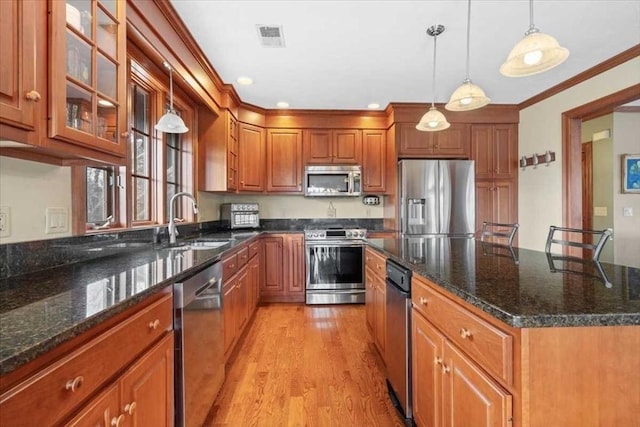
[(158, 166), (141, 155)]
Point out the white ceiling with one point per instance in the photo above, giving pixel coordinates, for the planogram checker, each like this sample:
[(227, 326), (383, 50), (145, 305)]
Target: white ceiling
[(347, 54)]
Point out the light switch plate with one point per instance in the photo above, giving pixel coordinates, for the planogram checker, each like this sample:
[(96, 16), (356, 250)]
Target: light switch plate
[(599, 211), (5, 221), (56, 220), (627, 211)]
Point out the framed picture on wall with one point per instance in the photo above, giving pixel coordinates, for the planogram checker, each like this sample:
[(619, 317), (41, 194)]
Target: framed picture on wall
[(631, 173)]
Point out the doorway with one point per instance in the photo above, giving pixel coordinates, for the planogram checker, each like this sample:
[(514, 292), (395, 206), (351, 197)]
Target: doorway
[(572, 176)]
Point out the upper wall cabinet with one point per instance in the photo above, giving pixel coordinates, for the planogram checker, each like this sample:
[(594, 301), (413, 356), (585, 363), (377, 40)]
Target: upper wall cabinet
[(250, 158), (495, 150), (19, 96), (373, 163), (218, 154), (284, 160), (450, 143), (326, 146), (88, 74)]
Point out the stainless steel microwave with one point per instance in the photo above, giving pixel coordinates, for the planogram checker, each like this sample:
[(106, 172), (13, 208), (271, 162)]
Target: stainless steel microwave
[(332, 181)]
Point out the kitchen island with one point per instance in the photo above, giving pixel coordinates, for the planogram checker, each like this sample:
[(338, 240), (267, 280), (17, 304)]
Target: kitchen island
[(500, 339)]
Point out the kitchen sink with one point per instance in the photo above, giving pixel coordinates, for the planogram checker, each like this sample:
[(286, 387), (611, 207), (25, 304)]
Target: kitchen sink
[(200, 245)]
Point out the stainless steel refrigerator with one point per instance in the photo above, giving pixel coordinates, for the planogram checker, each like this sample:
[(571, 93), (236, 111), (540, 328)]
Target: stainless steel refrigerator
[(437, 197)]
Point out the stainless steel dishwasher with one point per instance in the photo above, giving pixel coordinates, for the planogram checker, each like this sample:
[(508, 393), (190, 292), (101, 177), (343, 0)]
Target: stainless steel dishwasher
[(398, 343), (199, 337)]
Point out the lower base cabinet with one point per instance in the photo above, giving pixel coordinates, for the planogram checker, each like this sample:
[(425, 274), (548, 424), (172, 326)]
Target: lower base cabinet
[(376, 298), (143, 395), (448, 388), (122, 375), (283, 268)]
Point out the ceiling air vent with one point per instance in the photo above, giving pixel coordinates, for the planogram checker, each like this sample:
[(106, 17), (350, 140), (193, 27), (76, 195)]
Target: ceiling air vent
[(271, 35)]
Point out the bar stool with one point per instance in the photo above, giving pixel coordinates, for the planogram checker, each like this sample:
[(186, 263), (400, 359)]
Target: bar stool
[(596, 248), (501, 240)]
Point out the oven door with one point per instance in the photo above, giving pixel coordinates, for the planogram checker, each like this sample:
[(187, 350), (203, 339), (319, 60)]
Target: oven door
[(334, 265)]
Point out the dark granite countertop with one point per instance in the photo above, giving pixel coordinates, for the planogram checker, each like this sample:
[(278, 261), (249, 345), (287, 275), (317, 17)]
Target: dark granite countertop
[(41, 310), (519, 288)]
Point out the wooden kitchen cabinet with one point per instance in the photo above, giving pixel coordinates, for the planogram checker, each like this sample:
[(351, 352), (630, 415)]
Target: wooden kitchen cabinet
[(251, 158), (496, 201), (20, 96), (218, 156), (284, 272), (284, 161), (376, 298), (495, 151), (374, 150), (453, 142), (105, 359), (101, 411), (88, 74), (452, 352), (327, 146)]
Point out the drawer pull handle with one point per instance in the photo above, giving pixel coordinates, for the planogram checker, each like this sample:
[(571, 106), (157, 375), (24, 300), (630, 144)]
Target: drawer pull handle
[(465, 333), (154, 325), (117, 422), (75, 383), (423, 301), (33, 95), (445, 369), (130, 408)]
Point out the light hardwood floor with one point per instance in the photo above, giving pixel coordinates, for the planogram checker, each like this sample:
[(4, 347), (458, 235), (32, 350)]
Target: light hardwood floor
[(305, 366)]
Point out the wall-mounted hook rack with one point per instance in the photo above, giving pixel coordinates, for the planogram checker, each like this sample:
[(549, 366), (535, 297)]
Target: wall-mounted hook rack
[(536, 159)]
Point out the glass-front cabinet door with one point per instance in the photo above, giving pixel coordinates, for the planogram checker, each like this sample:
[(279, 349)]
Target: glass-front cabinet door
[(88, 73)]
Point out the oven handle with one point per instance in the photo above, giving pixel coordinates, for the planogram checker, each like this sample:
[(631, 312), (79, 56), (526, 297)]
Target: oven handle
[(330, 243)]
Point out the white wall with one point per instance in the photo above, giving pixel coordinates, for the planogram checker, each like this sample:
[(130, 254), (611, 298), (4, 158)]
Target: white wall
[(626, 238), (540, 129), (290, 206), (28, 188)]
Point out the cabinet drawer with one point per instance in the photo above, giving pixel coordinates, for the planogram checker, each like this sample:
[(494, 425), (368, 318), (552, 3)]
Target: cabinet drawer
[(229, 266), (489, 346), (243, 257), (51, 394), (254, 248), (376, 262)]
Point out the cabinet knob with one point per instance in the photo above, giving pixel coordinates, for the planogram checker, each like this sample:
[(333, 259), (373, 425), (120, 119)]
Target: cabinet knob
[(423, 301), (130, 408), (124, 134), (154, 325), (437, 361), (465, 333), (445, 368), (33, 95), (75, 383), (117, 421)]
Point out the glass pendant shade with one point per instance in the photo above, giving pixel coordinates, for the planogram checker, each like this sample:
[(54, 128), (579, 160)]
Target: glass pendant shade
[(535, 53), (467, 97), (433, 120), (171, 123)]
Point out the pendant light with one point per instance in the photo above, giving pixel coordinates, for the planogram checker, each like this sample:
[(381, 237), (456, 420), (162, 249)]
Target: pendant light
[(171, 121), (535, 53), (468, 96), (433, 120)]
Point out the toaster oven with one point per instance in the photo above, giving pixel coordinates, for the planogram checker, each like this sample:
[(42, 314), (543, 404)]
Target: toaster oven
[(240, 215)]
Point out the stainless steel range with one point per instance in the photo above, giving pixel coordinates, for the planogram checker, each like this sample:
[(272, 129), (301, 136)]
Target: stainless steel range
[(335, 265)]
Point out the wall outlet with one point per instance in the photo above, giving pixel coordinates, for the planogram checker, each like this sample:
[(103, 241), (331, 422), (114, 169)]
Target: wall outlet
[(627, 211), (331, 211), (5, 221), (599, 211)]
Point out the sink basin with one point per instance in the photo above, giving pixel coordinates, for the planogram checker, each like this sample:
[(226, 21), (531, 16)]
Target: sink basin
[(128, 245), (200, 245)]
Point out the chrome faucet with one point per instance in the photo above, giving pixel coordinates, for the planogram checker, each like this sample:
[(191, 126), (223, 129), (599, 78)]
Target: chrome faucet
[(173, 230)]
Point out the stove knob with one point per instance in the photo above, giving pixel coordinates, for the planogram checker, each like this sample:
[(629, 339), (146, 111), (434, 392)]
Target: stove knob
[(349, 234), (362, 234)]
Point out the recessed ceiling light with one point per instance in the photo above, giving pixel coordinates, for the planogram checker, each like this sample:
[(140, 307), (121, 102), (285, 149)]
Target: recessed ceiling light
[(245, 81), (105, 103), (373, 106), (282, 104)]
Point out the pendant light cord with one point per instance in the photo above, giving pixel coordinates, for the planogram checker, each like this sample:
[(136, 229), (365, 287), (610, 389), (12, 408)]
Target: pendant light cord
[(468, 35), (171, 89), (531, 24), (433, 81)]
